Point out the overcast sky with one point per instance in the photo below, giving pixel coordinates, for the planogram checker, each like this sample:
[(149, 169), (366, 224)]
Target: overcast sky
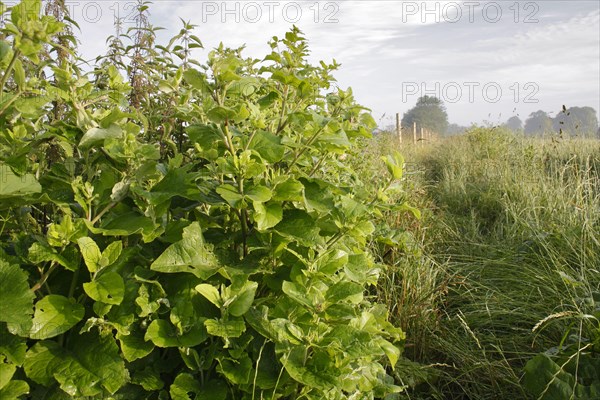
[(487, 60)]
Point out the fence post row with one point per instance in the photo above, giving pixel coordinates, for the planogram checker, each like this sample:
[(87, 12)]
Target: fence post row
[(399, 128)]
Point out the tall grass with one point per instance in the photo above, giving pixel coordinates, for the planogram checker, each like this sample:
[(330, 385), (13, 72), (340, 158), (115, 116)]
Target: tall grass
[(510, 237)]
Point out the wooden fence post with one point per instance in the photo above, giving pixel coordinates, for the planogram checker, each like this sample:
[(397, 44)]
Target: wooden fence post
[(399, 128), (414, 133)]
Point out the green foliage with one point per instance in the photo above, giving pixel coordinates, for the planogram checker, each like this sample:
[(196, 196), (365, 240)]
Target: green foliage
[(199, 239)]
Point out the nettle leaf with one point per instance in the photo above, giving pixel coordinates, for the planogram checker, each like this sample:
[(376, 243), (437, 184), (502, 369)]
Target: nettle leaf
[(124, 225), (55, 314), (197, 80), (189, 255), (16, 302), (90, 252), (267, 215), (109, 288), (220, 114), (183, 385), (297, 293)]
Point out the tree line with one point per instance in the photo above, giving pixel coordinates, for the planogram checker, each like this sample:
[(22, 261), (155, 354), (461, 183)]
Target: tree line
[(430, 113)]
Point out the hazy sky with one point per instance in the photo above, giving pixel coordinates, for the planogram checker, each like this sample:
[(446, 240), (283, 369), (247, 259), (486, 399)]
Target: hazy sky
[(488, 60)]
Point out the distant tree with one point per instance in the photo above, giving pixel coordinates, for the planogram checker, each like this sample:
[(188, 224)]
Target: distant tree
[(455, 129), (538, 123), (429, 113), (580, 121), (514, 124)]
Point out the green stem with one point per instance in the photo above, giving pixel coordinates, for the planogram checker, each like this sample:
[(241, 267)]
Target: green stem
[(44, 277), (16, 55), (73, 283), (9, 102), (104, 211)]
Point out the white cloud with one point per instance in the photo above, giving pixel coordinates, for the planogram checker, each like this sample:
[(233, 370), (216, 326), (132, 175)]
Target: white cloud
[(385, 44)]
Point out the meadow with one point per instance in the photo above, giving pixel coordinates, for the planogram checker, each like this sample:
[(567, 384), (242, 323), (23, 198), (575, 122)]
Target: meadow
[(501, 269)]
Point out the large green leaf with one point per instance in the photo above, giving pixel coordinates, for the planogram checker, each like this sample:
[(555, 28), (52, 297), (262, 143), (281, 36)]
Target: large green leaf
[(16, 299), (225, 329), (301, 227), (189, 255), (240, 300), (318, 373), (557, 379), (124, 225), (14, 389), (185, 383), (13, 185), (211, 294), (345, 291), (91, 365), (108, 288), (7, 370), (267, 215), (163, 334), (237, 371), (55, 314), (268, 146), (90, 252), (39, 253), (96, 135), (134, 346)]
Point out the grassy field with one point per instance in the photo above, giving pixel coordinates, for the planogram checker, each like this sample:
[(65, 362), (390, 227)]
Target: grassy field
[(503, 265)]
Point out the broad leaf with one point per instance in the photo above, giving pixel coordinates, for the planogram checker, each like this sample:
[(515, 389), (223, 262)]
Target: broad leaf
[(55, 314), (267, 215), (268, 146), (189, 255), (240, 303), (16, 299), (108, 288), (163, 334), (225, 329), (13, 185), (301, 227), (96, 135), (90, 252)]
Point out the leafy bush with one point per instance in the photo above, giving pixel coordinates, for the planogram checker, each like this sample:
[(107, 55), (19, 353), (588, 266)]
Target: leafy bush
[(196, 237)]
